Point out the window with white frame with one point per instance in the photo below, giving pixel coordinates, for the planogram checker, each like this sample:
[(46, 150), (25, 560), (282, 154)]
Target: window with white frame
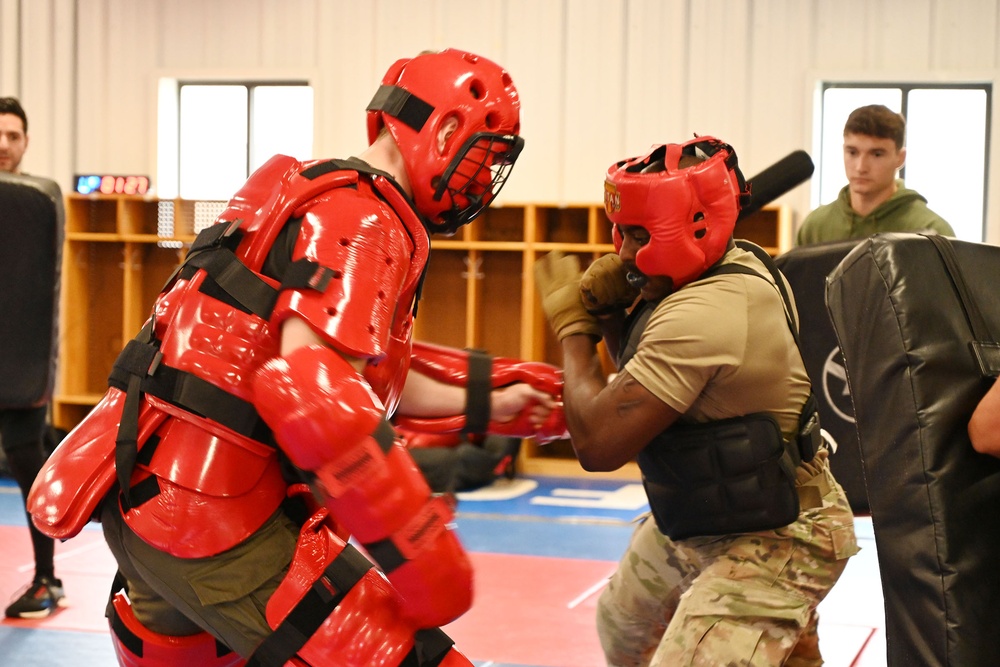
[(214, 134), (947, 144)]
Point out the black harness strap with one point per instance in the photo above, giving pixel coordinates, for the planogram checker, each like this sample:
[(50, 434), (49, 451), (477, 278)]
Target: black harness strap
[(351, 164), (306, 273), (385, 552), (308, 615), (195, 395), (477, 393), (133, 642), (143, 356), (138, 370), (430, 647), (239, 282), (809, 435)]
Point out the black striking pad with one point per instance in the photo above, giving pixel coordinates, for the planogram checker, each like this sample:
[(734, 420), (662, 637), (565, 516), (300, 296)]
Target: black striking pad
[(31, 230), (806, 268), (907, 340)]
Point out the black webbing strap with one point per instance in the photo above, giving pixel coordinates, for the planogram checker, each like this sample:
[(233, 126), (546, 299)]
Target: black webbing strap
[(316, 605), (141, 357), (350, 164), (305, 273), (985, 348), (217, 235), (430, 647), (323, 168), (385, 552), (384, 435), (809, 434), (141, 492), (119, 583), (131, 641), (401, 104), (192, 393), (238, 281), (477, 392), (768, 262), (138, 370)]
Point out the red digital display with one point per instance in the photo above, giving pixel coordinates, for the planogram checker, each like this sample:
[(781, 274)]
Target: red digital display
[(109, 184)]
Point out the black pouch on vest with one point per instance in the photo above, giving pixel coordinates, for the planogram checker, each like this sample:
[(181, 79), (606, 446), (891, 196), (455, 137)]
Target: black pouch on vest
[(810, 435), (729, 476)]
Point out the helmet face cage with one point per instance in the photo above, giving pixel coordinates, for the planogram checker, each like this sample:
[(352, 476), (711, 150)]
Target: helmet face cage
[(689, 212), (474, 178), (418, 98)]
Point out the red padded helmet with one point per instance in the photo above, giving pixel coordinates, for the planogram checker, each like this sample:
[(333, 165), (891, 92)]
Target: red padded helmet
[(417, 96), (689, 212)]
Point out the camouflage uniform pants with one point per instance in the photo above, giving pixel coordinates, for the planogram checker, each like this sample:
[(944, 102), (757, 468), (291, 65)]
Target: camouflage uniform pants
[(737, 600)]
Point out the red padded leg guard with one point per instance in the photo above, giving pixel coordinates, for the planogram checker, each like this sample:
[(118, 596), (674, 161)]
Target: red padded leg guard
[(138, 646)]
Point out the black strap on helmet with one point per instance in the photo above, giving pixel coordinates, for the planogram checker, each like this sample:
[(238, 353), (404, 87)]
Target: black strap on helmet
[(402, 105)]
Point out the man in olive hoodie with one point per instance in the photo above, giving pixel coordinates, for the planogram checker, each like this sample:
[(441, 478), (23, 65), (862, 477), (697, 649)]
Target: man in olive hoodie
[(874, 199)]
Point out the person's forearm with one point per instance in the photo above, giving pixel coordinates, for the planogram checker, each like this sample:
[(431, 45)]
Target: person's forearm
[(584, 380), (426, 397), (984, 426)]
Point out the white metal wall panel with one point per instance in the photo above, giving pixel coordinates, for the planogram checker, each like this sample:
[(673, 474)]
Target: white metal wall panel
[(719, 89), (535, 59), (10, 47), (346, 76), (45, 77), (775, 103), (130, 52), (63, 93), (593, 96), (657, 57), (289, 33), (839, 29), (963, 33)]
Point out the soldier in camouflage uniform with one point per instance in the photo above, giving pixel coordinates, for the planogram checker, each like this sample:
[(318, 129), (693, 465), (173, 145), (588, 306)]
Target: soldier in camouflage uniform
[(748, 529)]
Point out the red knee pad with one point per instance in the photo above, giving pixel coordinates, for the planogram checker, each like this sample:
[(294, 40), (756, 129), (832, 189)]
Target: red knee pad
[(138, 646)]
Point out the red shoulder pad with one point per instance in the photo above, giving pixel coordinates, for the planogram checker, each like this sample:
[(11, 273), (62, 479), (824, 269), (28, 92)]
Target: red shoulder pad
[(369, 253), (266, 200)]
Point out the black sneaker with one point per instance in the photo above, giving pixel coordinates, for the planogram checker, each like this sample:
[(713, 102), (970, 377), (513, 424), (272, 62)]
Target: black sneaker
[(41, 598)]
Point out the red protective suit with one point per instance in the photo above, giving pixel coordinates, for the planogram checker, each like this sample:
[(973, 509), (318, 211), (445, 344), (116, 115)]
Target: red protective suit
[(199, 468)]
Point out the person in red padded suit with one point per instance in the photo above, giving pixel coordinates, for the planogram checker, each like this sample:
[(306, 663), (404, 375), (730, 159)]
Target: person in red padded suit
[(245, 432)]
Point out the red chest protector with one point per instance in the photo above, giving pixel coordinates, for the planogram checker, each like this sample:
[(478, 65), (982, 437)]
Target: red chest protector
[(191, 448)]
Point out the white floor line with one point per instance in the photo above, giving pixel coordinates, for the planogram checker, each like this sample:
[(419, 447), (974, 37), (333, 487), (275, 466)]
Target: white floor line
[(590, 591), (63, 555)]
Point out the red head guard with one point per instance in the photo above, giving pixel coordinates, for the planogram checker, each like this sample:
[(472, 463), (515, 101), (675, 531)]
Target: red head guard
[(689, 212), (417, 96)]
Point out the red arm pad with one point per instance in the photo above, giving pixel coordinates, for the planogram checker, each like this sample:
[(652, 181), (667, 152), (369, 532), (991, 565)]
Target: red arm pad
[(451, 366), (316, 404), (326, 418), (410, 534)]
